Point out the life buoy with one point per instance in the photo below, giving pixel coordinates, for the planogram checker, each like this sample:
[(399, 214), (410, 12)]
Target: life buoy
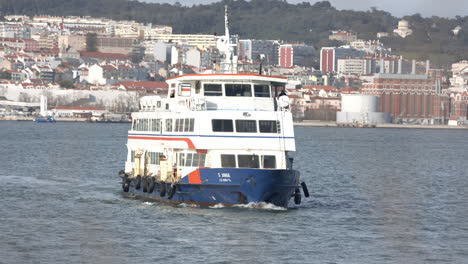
[(172, 191), (151, 184), (283, 101)]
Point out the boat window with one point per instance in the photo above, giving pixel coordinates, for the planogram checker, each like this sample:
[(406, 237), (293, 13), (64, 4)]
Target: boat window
[(185, 89), (184, 125), (213, 89), (132, 157), (156, 125), (262, 90), (153, 157), (238, 89), (168, 125), (269, 126), (269, 162), (248, 161), (191, 160), (246, 126), (179, 125), (222, 125), (228, 161)]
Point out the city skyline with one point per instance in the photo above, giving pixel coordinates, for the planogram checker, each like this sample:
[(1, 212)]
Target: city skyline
[(398, 8)]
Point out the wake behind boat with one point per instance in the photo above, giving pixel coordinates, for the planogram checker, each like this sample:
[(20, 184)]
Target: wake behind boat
[(221, 138)]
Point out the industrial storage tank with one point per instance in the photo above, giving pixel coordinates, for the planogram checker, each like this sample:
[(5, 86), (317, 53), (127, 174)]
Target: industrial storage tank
[(357, 103), (361, 109)]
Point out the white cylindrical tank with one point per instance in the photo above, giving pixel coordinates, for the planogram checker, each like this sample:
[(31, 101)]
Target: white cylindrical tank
[(403, 24), (359, 103)]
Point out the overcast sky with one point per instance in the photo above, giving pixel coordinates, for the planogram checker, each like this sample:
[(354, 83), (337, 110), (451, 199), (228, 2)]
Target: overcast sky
[(399, 8)]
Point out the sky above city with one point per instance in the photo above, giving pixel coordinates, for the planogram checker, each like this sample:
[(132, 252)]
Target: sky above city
[(399, 8)]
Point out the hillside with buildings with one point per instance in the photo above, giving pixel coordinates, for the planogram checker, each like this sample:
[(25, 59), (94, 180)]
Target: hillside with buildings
[(412, 70), (441, 40)]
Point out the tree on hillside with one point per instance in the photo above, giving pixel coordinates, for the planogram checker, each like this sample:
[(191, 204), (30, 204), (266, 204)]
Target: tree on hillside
[(91, 42)]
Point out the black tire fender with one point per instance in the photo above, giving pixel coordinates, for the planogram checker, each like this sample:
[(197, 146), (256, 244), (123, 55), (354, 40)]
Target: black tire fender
[(305, 190), (172, 191), (297, 196), (162, 189), (151, 184), (138, 182)]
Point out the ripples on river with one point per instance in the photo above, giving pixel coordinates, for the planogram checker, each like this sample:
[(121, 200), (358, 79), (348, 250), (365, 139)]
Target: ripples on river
[(378, 196)]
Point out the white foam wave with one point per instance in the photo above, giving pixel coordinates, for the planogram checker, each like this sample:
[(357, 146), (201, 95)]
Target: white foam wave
[(261, 205), (187, 205), (216, 206), (148, 203)]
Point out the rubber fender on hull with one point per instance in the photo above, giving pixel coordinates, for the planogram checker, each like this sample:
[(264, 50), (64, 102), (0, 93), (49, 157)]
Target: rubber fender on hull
[(297, 196), (172, 191), (145, 184), (162, 189), (138, 182), (151, 184), (304, 189), (125, 183)]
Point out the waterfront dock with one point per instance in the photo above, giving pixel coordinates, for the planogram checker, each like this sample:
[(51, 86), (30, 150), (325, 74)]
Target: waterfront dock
[(316, 123)]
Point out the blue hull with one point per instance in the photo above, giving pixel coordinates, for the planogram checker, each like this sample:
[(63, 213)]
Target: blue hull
[(42, 119), (227, 187)]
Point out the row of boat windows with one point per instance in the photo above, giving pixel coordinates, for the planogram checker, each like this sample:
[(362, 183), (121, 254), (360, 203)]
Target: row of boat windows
[(236, 90), (248, 161), (218, 125), (155, 125), (246, 126), (183, 159)]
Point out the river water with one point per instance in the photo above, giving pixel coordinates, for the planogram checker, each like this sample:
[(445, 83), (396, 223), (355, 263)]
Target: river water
[(377, 196)]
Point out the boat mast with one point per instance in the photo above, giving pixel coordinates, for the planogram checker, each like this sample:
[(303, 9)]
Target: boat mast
[(227, 48)]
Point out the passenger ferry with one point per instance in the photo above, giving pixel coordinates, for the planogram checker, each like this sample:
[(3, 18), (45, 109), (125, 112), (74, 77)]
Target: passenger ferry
[(220, 138)]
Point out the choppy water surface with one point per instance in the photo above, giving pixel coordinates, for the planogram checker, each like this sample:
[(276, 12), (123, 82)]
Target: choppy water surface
[(378, 196)]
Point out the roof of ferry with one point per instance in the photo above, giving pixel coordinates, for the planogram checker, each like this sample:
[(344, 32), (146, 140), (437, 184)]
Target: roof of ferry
[(229, 76)]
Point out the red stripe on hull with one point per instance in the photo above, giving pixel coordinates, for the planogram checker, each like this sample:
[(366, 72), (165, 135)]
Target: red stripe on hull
[(186, 140)]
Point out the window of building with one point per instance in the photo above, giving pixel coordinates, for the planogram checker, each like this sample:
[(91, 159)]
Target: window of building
[(248, 161), (238, 90), (246, 126), (269, 126), (132, 155), (222, 125), (269, 162), (262, 90), (228, 161), (213, 89)]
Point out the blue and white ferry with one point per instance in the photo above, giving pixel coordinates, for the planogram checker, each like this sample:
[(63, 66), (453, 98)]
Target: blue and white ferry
[(221, 138)]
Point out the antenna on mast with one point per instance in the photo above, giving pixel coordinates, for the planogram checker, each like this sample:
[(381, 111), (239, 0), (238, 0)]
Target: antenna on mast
[(226, 48)]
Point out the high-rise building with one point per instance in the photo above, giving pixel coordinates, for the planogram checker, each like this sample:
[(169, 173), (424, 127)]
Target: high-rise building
[(329, 56)]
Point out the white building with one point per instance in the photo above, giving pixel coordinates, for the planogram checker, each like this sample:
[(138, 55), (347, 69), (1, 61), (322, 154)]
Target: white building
[(354, 66), (403, 29), (96, 75), (193, 57)]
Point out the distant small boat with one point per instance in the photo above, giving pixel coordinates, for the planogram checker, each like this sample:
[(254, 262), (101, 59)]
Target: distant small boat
[(44, 117)]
